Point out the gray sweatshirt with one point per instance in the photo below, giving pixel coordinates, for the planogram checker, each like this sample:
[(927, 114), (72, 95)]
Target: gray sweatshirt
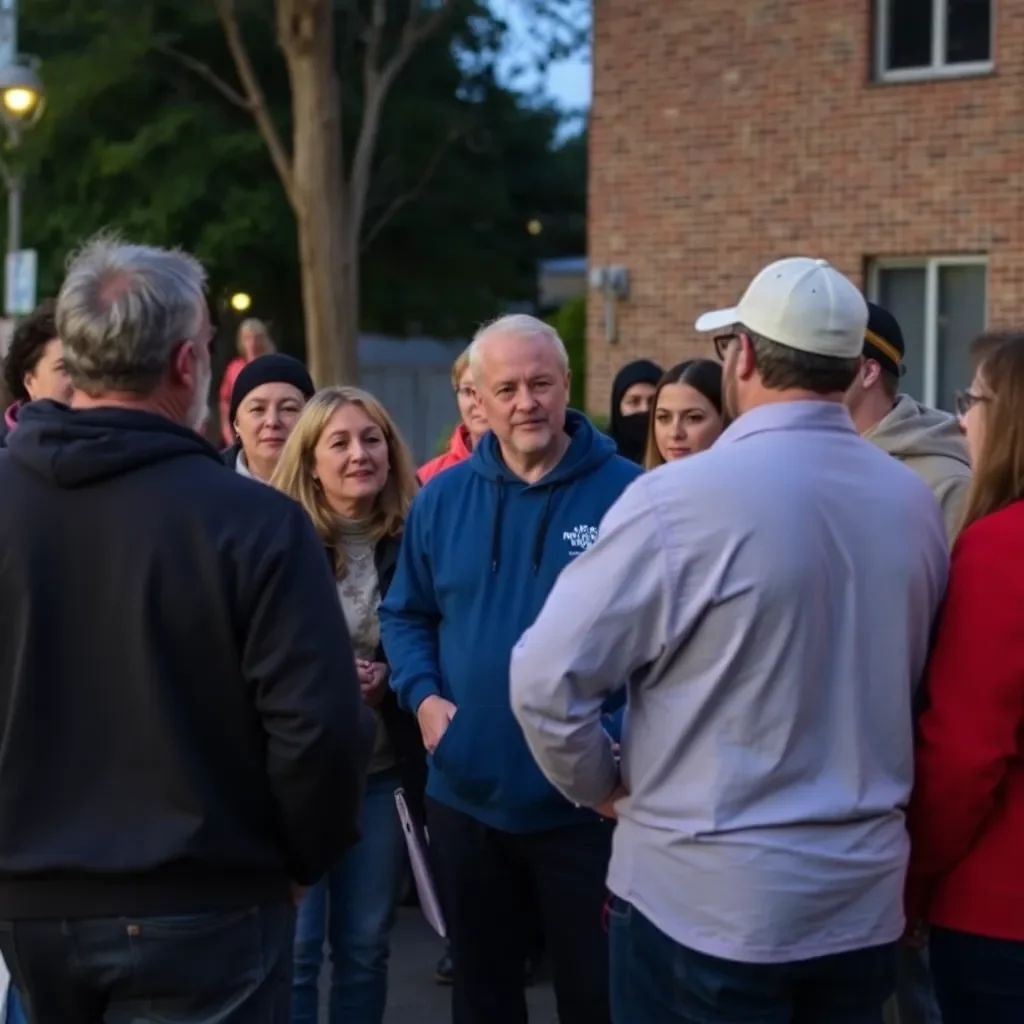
[(930, 443)]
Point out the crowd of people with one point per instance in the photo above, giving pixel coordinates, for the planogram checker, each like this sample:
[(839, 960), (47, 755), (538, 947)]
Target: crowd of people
[(699, 709)]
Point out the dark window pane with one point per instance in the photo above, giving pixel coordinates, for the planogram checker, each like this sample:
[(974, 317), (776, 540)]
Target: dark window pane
[(961, 320), (908, 34), (901, 291), (968, 31)]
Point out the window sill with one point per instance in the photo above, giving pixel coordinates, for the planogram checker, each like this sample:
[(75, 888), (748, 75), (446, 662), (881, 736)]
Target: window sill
[(944, 72)]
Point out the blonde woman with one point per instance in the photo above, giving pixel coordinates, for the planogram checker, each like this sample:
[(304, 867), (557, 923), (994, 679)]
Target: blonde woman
[(346, 463), (253, 340)]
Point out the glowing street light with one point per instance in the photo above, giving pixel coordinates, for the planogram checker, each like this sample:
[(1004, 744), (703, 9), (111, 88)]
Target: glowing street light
[(241, 301), (22, 96), (534, 227)]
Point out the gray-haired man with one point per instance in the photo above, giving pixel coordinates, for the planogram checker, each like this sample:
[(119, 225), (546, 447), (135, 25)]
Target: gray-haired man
[(178, 699)]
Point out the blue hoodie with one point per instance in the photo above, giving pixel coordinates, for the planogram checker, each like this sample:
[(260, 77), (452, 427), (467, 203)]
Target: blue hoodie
[(480, 553)]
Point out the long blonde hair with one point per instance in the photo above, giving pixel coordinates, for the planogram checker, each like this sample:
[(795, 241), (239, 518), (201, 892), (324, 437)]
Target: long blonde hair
[(264, 343), (997, 479), (294, 473)]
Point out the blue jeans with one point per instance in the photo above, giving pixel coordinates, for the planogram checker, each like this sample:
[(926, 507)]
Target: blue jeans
[(657, 981), (15, 1011), (978, 980), (915, 992), (353, 907), (231, 967)]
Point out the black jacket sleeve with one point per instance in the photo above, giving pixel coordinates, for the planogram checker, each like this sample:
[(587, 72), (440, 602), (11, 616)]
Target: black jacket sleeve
[(297, 658)]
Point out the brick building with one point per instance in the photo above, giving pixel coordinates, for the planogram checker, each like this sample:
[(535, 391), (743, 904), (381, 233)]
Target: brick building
[(886, 137)]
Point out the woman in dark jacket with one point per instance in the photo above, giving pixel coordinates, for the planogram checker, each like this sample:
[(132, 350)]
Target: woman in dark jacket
[(268, 396), (346, 463), (632, 393)]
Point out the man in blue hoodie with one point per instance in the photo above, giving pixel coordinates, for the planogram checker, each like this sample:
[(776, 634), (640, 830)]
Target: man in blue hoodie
[(483, 546)]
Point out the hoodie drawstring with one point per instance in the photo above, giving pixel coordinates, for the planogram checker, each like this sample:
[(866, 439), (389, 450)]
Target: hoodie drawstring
[(496, 531), (542, 529), (538, 542)]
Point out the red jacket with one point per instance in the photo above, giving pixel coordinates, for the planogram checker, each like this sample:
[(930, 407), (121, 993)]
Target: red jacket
[(459, 449), (966, 815), (227, 385)]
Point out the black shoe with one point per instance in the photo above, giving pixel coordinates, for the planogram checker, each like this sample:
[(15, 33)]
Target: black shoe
[(445, 973)]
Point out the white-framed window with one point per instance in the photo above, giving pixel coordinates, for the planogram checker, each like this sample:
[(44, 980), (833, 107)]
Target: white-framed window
[(939, 302), (917, 39)]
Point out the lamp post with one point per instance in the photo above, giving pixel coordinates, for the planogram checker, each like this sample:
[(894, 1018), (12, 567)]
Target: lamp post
[(22, 99)]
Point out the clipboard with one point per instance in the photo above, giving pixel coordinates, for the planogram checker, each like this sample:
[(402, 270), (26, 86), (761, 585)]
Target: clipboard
[(417, 843)]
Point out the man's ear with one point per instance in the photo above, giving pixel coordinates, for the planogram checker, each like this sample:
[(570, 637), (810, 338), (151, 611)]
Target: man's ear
[(746, 358), (184, 365), (870, 374)]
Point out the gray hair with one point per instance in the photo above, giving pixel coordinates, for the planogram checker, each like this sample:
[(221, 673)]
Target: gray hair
[(520, 325), (123, 309)]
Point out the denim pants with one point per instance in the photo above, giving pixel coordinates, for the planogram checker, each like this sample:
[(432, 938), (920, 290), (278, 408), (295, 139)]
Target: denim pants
[(915, 992), (15, 1011), (487, 877), (231, 967), (978, 980), (353, 907), (655, 980)]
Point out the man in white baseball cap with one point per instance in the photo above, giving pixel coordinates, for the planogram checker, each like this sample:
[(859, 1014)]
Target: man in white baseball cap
[(798, 327), (770, 603)]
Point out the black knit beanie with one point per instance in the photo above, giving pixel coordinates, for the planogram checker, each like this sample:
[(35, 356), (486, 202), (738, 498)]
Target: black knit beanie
[(274, 368)]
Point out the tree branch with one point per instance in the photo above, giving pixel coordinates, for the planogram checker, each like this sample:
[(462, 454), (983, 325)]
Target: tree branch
[(206, 73), (377, 81), (255, 98), (412, 194)]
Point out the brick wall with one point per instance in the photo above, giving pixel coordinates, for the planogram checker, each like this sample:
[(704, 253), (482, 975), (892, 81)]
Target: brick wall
[(725, 134)]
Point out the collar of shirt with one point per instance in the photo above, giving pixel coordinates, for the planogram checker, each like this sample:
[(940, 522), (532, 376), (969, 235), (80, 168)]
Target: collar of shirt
[(799, 415)]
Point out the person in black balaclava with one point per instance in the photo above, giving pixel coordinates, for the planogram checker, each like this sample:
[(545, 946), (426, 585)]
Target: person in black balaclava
[(632, 392)]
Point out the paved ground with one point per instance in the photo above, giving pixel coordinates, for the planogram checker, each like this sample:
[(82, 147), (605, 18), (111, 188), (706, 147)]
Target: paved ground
[(415, 999)]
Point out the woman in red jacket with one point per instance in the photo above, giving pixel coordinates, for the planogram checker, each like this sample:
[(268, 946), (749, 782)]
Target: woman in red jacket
[(472, 423), (966, 819), (253, 340)]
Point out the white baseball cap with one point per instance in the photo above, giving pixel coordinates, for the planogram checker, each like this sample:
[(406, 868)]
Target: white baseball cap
[(801, 303)]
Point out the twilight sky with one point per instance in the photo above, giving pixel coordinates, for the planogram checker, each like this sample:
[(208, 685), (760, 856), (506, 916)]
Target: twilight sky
[(567, 82)]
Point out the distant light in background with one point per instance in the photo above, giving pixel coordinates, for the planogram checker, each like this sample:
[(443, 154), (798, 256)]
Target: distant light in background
[(20, 101), (241, 301), (534, 227)]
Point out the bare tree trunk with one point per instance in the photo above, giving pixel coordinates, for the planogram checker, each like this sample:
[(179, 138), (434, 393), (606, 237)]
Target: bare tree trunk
[(330, 304), (329, 205)]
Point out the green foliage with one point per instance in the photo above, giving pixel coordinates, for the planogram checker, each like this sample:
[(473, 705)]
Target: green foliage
[(571, 323), (133, 140)]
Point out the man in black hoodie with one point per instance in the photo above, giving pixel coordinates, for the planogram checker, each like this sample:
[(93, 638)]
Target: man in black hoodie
[(182, 738)]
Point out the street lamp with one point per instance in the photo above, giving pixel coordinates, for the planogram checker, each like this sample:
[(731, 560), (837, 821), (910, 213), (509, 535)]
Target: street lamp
[(22, 99), (240, 301)]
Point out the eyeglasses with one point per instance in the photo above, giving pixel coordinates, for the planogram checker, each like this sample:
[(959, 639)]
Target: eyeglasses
[(722, 343), (965, 401)]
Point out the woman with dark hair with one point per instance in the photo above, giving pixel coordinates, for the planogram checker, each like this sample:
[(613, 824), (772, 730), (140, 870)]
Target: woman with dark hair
[(632, 392), (966, 816), (34, 366), (687, 412)]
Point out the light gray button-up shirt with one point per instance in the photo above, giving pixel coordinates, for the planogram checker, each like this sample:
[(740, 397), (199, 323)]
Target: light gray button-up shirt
[(769, 604)]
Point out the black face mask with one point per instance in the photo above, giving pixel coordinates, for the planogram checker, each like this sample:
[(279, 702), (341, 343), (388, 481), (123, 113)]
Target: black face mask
[(631, 435)]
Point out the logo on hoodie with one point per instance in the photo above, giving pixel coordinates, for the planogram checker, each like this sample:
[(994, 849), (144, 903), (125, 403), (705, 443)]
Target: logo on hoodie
[(579, 538)]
